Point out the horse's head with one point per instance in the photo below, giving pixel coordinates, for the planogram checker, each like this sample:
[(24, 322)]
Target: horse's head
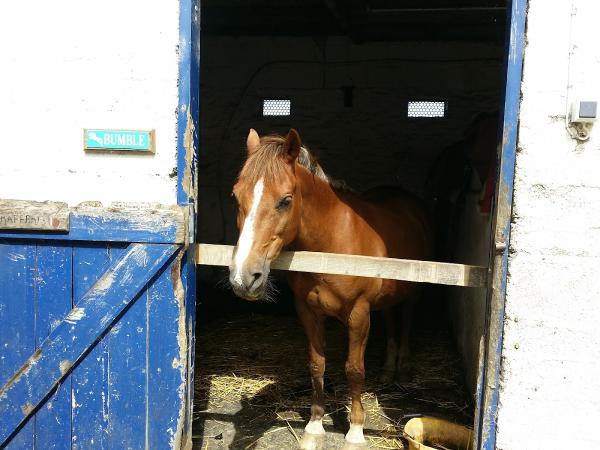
[(269, 203)]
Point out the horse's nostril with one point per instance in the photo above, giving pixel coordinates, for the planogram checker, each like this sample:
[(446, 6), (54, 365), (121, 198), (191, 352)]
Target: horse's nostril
[(254, 279), (257, 276)]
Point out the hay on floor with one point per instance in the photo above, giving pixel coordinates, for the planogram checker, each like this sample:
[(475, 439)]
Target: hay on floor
[(252, 372)]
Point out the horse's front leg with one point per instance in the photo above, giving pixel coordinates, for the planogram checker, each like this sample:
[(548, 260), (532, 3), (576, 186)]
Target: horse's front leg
[(359, 322), (313, 325)]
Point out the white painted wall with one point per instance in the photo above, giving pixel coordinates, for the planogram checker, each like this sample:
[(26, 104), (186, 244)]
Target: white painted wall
[(69, 65), (550, 379)]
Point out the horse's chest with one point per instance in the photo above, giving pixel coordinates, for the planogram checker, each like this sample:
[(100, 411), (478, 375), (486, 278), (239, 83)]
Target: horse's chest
[(332, 295), (321, 298)]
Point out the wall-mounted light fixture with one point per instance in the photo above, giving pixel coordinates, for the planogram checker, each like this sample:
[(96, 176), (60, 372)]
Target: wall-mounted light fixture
[(582, 115)]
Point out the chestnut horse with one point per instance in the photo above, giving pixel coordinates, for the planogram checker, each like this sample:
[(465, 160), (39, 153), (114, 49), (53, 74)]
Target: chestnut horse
[(286, 200)]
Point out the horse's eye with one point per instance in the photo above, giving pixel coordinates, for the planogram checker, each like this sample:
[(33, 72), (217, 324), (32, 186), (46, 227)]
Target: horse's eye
[(284, 203)]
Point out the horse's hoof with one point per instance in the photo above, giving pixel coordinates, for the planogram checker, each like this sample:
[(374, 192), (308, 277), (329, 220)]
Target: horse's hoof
[(311, 441), (355, 438), (354, 445)]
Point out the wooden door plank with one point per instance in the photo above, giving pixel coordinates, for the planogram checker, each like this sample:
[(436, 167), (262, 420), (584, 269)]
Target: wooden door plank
[(34, 216), (107, 298), (165, 370), (489, 378), (53, 290), (113, 224), (127, 383), (17, 323), (90, 377), (187, 327), (358, 265)]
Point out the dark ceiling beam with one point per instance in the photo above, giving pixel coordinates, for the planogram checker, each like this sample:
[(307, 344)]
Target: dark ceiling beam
[(340, 17), (260, 20), (345, 13), (409, 5), (359, 24)]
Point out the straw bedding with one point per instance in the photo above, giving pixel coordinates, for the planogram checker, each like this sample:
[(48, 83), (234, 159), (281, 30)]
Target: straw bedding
[(253, 388)]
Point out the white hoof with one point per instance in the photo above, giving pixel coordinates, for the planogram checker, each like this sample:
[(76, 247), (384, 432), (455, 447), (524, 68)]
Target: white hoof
[(312, 441), (315, 427), (351, 446), (355, 435)]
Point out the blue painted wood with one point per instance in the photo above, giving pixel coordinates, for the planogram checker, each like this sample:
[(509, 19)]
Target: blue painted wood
[(188, 281), (164, 368), (53, 289), (188, 121), (490, 379), (108, 297), (34, 297), (116, 228), (171, 354), (189, 98), (90, 377), (127, 381), (17, 322)]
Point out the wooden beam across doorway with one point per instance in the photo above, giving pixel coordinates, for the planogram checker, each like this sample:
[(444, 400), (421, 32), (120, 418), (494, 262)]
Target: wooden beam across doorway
[(363, 266)]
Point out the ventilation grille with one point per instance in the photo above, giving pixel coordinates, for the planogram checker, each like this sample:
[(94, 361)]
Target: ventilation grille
[(426, 109), (277, 107)]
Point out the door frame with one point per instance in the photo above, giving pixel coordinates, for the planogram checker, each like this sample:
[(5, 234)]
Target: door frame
[(488, 383)]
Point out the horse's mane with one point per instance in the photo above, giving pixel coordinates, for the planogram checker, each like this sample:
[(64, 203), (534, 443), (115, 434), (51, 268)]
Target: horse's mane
[(267, 162)]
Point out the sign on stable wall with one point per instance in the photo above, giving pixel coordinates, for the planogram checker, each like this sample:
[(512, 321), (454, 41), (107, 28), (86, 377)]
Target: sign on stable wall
[(124, 141)]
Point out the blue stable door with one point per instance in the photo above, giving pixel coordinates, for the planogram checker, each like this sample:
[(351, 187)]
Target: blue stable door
[(97, 336), (97, 317)]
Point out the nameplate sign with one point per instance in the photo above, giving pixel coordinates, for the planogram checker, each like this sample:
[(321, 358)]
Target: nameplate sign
[(121, 141), (33, 216)]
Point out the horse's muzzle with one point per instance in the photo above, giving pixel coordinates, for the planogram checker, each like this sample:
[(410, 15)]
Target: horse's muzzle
[(249, 283)]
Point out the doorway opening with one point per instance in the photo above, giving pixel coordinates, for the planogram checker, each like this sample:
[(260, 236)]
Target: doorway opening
[(407, 96)]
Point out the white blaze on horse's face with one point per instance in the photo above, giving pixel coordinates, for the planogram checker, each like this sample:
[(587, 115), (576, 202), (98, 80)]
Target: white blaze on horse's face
[(268, 210), (247, 236), (238, 276)]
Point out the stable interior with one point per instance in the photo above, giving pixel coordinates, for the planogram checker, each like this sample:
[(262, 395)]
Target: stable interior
[(351, 72)]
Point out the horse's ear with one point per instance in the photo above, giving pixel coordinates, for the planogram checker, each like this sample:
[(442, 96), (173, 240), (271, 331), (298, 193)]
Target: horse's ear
[(253, 141), (292, 146)]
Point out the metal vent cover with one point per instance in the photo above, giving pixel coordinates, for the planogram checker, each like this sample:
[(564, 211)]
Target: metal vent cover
[(426, 109), (276, 107)]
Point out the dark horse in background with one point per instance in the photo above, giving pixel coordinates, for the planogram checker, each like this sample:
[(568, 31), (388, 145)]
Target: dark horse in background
[(286, 200), (451, 179)]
